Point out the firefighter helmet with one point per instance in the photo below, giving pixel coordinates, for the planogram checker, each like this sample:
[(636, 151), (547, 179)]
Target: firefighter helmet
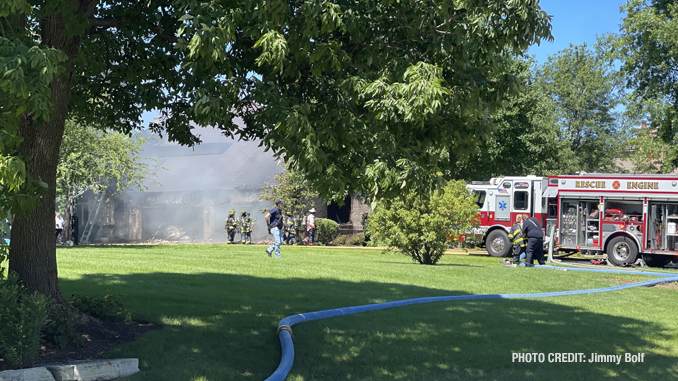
[(232, 211)]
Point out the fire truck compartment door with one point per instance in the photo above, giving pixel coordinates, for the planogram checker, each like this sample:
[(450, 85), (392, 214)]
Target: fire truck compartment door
[(503, 210), (550, 192)]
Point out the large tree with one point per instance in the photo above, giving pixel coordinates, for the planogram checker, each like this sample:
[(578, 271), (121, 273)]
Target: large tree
[(586, 90), (649, 49), (526, 138), (360, 96)]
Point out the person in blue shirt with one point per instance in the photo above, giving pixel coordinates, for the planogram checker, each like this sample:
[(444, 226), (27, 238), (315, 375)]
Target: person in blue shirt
[(274, 223)]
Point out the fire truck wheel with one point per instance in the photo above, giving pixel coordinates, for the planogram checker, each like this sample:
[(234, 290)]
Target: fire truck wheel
[(622, 251), (497, 243)]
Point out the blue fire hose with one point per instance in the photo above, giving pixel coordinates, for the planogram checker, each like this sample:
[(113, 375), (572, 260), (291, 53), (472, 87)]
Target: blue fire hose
[(285, 330)]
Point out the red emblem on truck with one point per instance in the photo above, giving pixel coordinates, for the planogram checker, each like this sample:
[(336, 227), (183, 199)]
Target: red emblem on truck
[(616, 185)]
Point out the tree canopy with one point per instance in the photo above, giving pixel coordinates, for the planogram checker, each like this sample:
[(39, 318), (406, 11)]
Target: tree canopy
[(566, 118), (359, 96), (293, 189), (384, 97), (95, 160), (585, 89), (648, 47), (526, 138)]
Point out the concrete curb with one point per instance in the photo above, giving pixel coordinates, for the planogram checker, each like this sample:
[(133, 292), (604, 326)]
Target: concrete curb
[(31, 374), (93, 370)]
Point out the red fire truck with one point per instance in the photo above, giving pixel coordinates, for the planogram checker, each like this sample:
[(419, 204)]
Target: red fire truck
[(500, 200), (623, 216)]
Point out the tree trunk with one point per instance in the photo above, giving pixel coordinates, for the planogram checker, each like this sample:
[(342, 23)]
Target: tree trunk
[(32, 251)]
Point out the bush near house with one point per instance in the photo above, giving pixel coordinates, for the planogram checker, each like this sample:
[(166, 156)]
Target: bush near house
[(357, 239), (326, 230)]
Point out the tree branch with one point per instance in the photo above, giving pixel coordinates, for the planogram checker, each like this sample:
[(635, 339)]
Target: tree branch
[(434, 29), (112, 22), (108, 22), (166, 37)]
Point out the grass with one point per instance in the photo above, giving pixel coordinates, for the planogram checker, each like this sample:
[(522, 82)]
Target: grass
[(220, 306)]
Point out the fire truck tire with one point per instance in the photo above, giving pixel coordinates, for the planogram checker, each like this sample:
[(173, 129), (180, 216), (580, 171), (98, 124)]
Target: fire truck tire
[(498, 244), (622, 251)]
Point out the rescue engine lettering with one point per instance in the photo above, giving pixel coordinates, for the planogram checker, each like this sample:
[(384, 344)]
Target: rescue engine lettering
[(642, 185), (589, 184)]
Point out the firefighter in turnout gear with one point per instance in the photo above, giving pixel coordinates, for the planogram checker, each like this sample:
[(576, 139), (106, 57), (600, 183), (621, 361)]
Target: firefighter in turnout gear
[(246, 225), (517, 240), (231, 225), (242, 228), (290, 231), (534, 233)]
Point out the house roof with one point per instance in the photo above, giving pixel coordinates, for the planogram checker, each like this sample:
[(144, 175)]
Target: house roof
[(219, 162)]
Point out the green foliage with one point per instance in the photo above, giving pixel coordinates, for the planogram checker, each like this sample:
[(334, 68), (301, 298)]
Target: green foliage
[(585, 89), (22, 315), (26, 71), (108, 308), (341, 240), (326, 230), (295, 191), (60, 327), (91, 159), (374, 97), (648, 48), (357, 240), (419, 226), (652, 153), (526, 139)]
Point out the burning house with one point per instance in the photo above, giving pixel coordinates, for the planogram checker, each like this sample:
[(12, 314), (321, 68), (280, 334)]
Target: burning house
[(192, 193)]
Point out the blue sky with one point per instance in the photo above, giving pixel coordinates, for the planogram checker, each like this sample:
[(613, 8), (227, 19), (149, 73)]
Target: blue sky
[(577, 22)]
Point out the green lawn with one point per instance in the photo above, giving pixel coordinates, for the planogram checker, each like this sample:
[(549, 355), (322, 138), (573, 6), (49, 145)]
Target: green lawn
[(220, 306)]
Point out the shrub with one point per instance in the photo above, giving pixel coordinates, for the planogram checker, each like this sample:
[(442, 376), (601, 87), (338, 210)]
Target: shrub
[(419, 225), (107, 308), (326, 230), (22, 315), (357, 239), (60, 326), (341, 240)]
